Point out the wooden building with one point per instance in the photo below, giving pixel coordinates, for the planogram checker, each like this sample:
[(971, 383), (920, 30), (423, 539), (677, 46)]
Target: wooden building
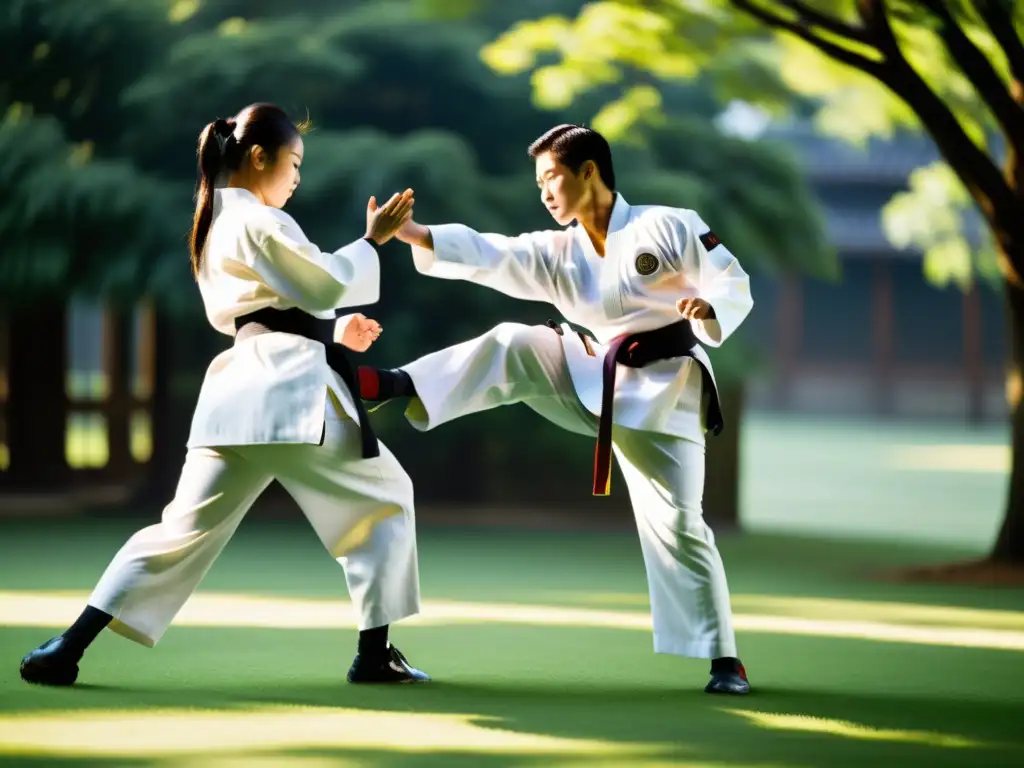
[(883, 341), (76, 397)]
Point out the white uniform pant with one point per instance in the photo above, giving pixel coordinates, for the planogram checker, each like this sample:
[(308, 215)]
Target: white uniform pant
[(362, 510), (515, 363)]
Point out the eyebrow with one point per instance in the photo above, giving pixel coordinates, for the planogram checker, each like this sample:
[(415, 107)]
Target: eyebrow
[(296, 154)]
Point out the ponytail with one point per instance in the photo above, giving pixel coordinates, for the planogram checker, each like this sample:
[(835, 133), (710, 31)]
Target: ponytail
[(213, 148), (223, 146)]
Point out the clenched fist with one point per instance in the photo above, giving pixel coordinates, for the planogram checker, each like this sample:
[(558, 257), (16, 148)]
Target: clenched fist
[(359, 333), (695, 309)]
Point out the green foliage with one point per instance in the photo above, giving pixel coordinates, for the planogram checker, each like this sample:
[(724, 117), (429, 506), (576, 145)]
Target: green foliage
[(930, 216), (742, 58), (429, 116), (72, 60), (105, 101), (619, 43), (68, 219), (744, 188)]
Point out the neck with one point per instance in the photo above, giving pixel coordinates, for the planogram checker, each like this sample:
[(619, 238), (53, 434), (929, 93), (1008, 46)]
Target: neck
[(237, 181), (595, 217)]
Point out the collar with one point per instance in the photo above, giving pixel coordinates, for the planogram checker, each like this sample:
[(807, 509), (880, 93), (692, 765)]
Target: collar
[(619, 217), (618, 220), (231, 196), (620, 214)]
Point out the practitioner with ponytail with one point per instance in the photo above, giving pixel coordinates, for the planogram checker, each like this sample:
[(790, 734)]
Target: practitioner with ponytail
[(281, 404)]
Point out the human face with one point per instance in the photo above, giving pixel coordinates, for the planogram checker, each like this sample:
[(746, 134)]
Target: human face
[(561, 191), (277, 179)]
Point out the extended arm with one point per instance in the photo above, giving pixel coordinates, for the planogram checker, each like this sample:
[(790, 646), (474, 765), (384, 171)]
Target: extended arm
[(521, 267), (316, 281)]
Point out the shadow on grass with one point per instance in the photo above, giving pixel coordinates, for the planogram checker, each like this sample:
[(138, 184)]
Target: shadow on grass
[(850, 703), (772, 727)]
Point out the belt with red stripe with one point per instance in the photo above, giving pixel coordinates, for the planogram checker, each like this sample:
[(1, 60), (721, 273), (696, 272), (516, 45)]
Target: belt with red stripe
[(636, 350), (298, 323)]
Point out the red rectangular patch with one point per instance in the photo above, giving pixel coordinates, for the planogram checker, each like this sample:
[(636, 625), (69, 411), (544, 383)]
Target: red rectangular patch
[(709, 240)]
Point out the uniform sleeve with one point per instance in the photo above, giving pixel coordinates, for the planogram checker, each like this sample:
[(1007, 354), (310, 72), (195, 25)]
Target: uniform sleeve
[(522, 267), (316, 281), (718, 276)]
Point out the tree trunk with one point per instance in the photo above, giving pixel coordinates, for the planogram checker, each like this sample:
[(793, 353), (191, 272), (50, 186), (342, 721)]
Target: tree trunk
[(722, 478), (1009, 546), (115, 351), (37, 406), (169, 429)]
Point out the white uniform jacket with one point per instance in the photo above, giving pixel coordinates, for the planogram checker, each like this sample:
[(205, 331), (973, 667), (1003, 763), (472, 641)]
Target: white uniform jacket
[(654, 256), (272, 388)]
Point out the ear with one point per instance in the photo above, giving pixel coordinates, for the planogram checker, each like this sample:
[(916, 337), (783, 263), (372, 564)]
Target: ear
[(258, 157), (589, 170)]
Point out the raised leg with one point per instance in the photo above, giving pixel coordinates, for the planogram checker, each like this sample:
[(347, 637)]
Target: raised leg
[(511, 363)]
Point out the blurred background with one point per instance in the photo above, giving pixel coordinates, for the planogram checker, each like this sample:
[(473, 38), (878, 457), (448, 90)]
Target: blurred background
[(862, 158), (866, 392)]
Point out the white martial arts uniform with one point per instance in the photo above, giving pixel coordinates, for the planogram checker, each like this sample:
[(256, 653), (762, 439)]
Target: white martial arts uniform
[(653, 257), (261, 413)]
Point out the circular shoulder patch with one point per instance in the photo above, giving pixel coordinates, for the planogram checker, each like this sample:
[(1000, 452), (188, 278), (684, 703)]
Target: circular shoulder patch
[(646, 263)]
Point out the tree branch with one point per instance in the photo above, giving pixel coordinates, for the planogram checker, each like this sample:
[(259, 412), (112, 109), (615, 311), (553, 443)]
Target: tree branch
[(975, 168), (980, 72), (876, 18), (982, 177), (999, 20), (826, 22), (802, 30)]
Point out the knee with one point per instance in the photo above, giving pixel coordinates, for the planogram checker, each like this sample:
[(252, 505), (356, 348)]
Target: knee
[(400, 490), (397, 487), (406, 492), (680, 522), (509, 335), (524, 341)]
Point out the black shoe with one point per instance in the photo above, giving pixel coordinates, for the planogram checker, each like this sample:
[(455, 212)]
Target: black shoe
[(728, 678), (393, 667), (52, 663)]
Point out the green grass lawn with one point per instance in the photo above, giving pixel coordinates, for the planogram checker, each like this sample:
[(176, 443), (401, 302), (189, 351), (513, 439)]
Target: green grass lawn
[(540, 653), (935, 482)]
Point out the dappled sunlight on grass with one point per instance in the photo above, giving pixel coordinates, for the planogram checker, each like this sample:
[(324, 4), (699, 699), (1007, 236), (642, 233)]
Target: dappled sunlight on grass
[(848, 730), (865, 610), (545, 664), (155, 733), (290, 760), (264, 761), (213, 609), (951, 458), (836, 608)]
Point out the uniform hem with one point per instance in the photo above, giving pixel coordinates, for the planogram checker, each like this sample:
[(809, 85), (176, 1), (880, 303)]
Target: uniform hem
[(130, 633), (694, 649), (383, 621), (418, 416)]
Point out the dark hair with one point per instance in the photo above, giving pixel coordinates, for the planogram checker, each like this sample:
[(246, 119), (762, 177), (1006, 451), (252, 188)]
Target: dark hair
[(223, 146), (573, 145)]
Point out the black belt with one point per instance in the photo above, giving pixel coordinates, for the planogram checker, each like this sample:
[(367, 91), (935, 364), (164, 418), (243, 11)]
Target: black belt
[(636, 350), (299, 323)]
